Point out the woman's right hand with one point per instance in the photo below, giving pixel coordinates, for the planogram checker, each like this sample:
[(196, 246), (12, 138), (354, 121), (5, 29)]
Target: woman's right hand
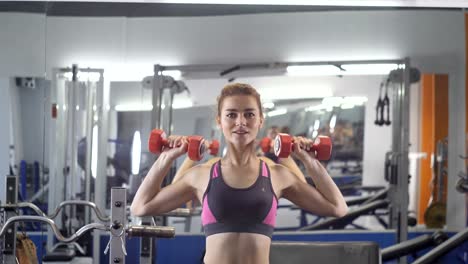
[(177, 146)]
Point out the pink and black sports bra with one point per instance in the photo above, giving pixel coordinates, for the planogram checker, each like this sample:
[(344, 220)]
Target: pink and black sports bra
[(239, 210)]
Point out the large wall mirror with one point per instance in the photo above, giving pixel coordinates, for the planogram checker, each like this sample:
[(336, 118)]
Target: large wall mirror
[(23, 91)]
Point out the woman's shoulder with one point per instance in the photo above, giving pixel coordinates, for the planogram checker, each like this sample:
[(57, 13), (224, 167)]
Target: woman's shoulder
[(268, 161), (211, 161), (202, 168), (198, 175), (278, 168), (279, 171)]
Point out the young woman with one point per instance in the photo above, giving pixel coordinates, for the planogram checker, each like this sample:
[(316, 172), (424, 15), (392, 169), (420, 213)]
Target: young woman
[(240, 192)]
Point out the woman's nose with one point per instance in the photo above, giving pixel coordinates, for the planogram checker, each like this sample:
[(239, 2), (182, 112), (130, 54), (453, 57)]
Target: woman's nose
[(241, 121)]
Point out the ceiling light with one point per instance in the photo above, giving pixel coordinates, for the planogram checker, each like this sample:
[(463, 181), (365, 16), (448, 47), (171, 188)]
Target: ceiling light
[(277, 112), (299, 70)]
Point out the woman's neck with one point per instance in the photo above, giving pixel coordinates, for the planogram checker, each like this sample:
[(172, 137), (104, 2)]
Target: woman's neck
[(240, 156)]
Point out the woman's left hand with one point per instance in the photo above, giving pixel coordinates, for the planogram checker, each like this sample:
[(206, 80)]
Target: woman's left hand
[(303, 149)]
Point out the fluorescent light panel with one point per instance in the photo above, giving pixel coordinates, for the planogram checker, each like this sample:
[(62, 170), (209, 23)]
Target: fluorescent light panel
[(300, 70), (136, 153), (268, 105), (149, 107), (133, 107), (295, 92), (368, 69), (94, 151), (277, 112), (84, 76), (316, 124), (176, 74), (329, 103)]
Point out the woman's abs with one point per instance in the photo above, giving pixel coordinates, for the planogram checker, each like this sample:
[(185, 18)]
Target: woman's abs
[(237, 248)]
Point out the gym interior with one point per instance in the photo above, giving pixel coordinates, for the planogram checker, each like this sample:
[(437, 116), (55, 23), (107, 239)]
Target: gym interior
[(87, 88)]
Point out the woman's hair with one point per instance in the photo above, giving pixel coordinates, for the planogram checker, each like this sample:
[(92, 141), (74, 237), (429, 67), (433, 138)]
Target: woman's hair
[(239, 89)]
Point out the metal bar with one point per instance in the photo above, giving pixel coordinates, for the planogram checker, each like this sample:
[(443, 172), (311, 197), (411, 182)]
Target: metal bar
[(157, 89), (348, 218), (443, 248), (271, 65), (91, 205), (118, 222), (402, 196), (90, 94), (378, 196), (68, 69), (169, 121), (28, 218), (37, 176), (403, 173), (100, 186), (406, 247), (9, 241), (188, 224), (59, 139), (146, 245), (183, 212), (32, 206), (40, 193), (156, 122), (151, 231), (23, 177), (414, 245), (72, 153), (179, 212)]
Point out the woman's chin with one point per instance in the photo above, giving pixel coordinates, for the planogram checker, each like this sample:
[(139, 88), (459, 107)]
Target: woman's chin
[(241, 141)]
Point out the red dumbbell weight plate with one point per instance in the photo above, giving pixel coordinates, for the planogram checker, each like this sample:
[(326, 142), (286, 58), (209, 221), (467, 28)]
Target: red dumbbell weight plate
[(214, 147), (323, 147), (156, 141), (196, 147), (265, 144), (283, 145)]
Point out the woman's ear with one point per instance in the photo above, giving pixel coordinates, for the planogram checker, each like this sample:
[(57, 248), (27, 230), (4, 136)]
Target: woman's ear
[(218, 122)]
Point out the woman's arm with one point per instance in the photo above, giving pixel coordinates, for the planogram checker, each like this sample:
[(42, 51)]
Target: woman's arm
[(291, 164), (326, 198), (186, 165), (310, 198), (151, 199)]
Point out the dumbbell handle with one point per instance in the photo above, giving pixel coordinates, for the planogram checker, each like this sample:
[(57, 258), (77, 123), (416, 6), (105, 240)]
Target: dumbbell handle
[(313, 146), (165, 143)]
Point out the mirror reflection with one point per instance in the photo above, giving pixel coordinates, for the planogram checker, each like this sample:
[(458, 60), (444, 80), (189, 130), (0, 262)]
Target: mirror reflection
[(23, 89)]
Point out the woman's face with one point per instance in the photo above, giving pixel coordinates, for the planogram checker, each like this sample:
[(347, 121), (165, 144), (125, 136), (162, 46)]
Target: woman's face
[(240, 119)]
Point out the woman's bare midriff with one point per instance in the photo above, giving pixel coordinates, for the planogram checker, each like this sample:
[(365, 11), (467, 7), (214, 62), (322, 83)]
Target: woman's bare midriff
[(237, 248)]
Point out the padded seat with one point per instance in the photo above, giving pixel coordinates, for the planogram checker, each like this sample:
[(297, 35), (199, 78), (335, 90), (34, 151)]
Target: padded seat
[(324, 252)]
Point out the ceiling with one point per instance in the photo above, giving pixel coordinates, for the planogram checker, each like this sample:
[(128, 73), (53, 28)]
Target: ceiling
[(103, 9)]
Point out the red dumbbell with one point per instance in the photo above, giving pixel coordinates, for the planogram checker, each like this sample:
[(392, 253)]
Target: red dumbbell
[(284, 145), (265, 144), (213, 147), (195, 149)]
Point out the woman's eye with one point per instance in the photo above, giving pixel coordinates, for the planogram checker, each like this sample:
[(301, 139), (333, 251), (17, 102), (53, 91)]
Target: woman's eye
[(250, 115), (231, 115)]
